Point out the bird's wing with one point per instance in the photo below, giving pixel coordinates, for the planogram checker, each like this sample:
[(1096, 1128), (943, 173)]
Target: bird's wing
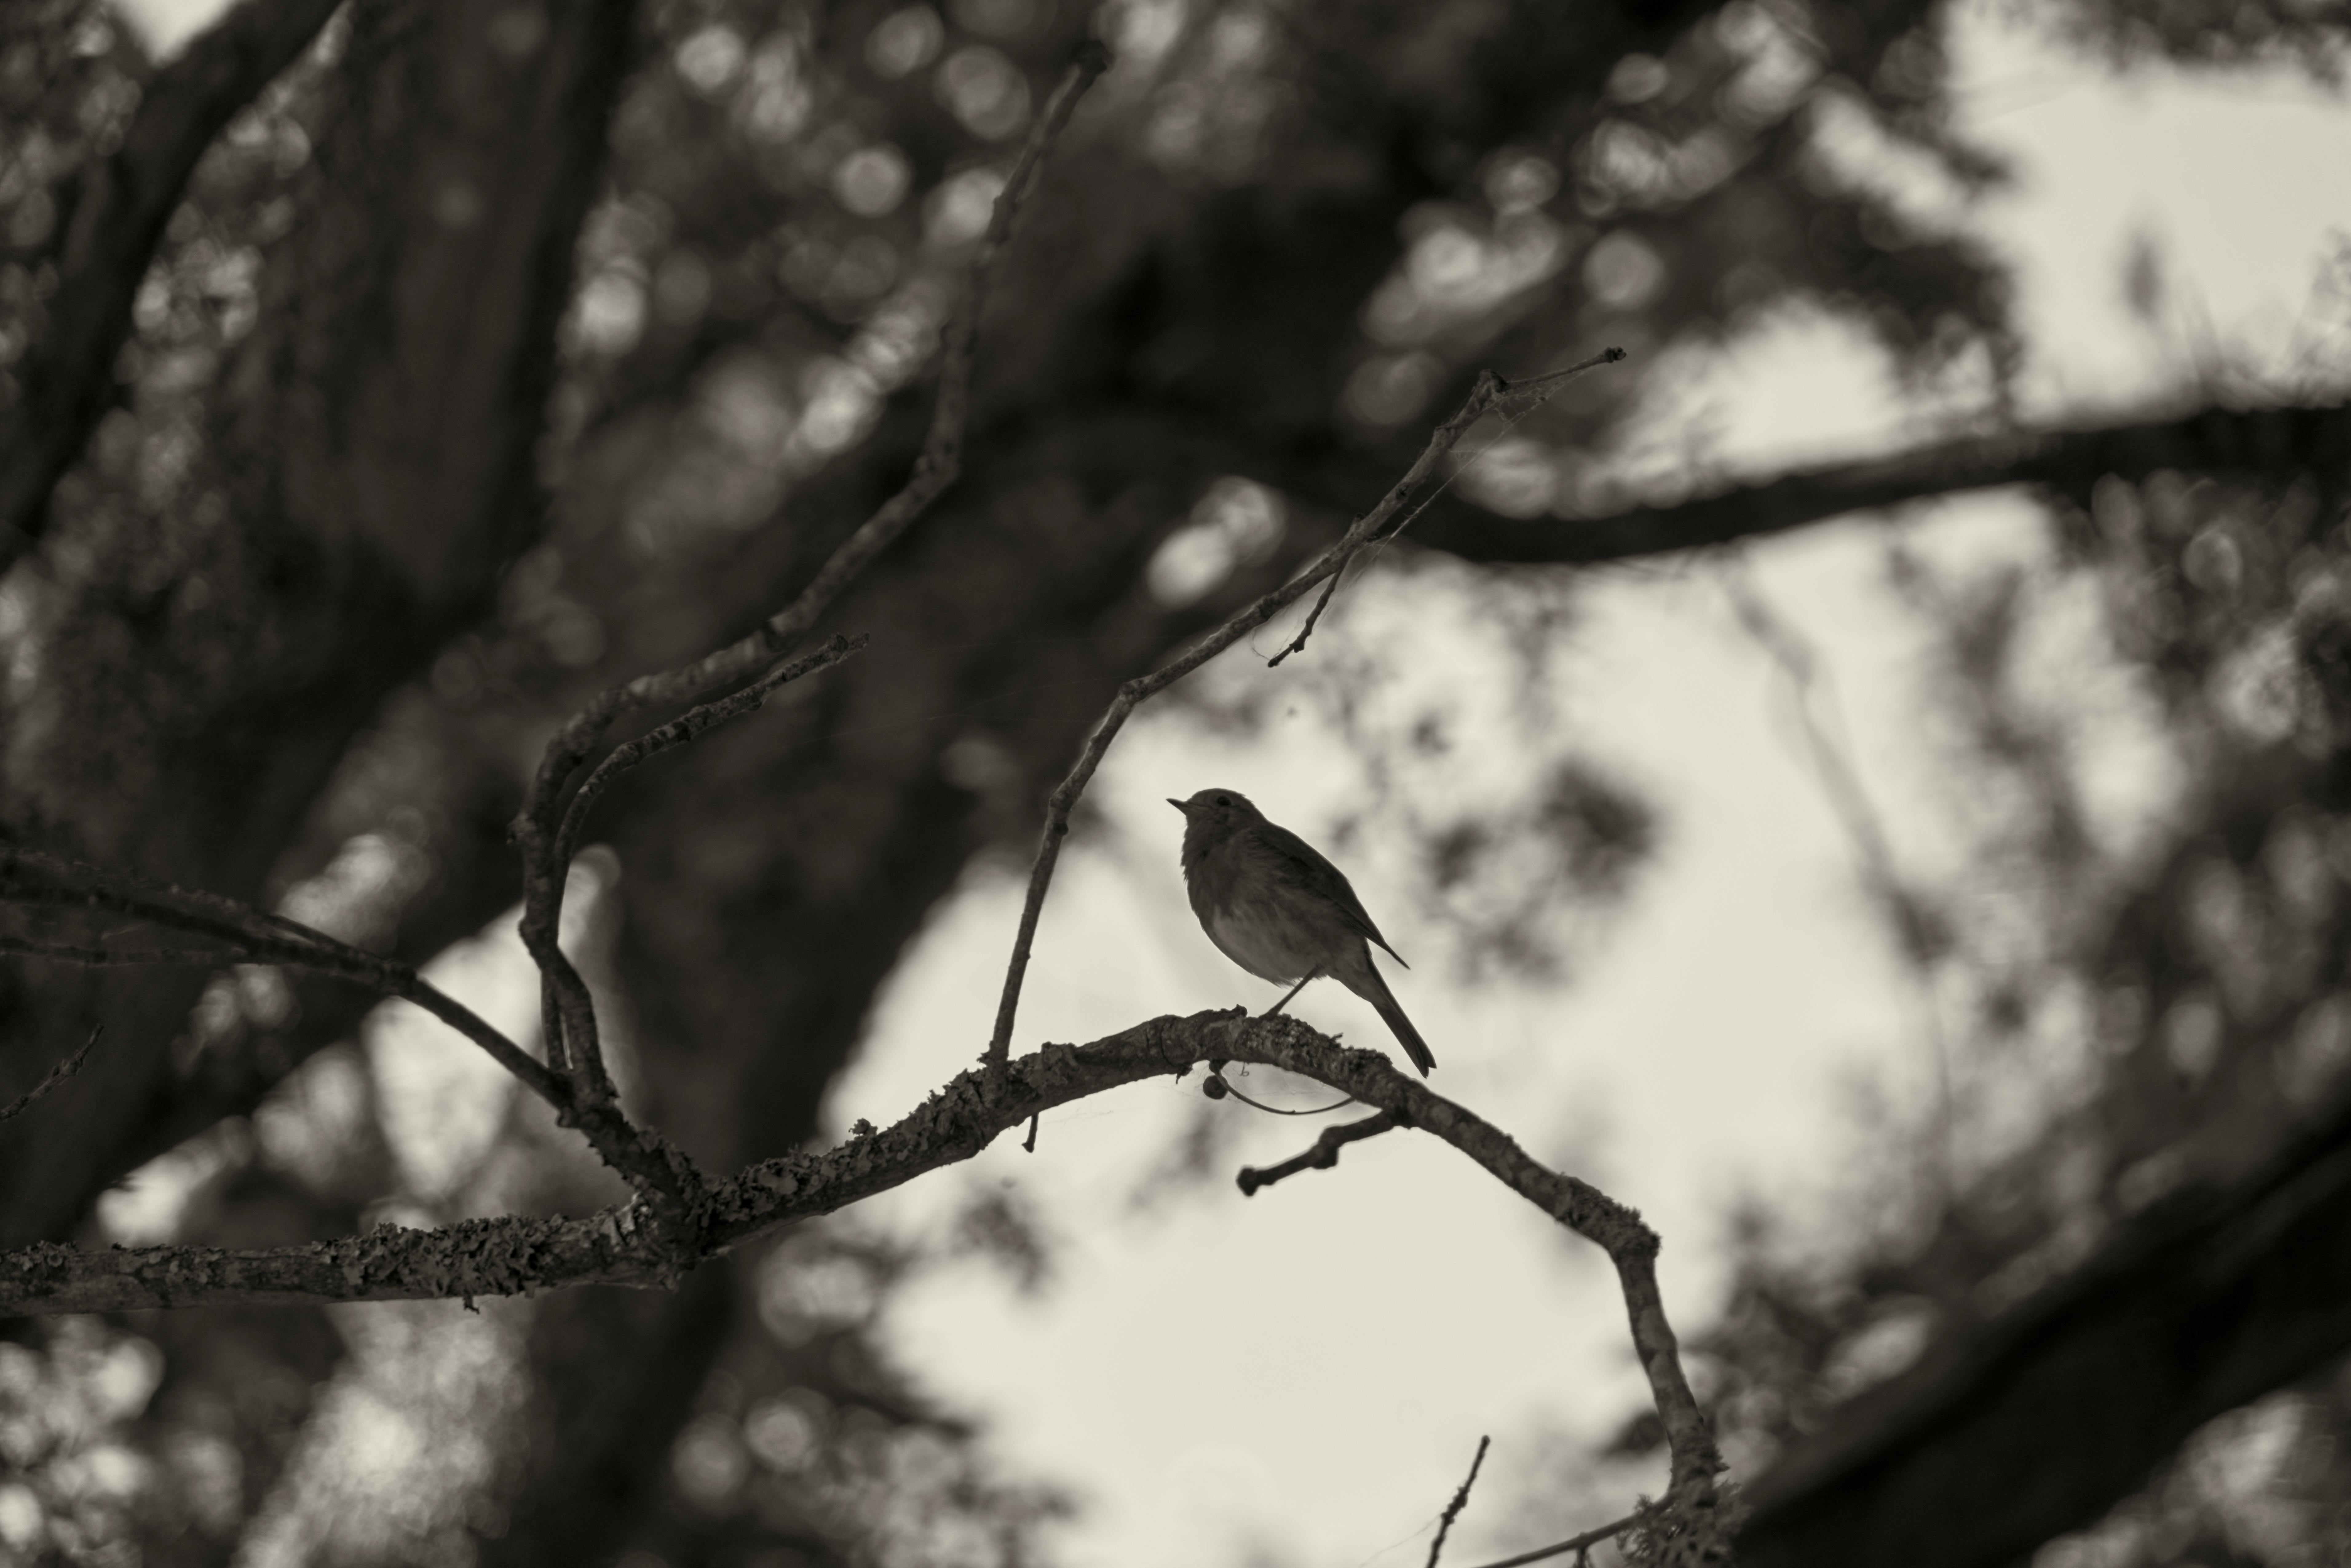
[(1302, 864)]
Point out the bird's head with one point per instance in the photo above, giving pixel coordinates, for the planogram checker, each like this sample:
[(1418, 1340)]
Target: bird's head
[(1213, 813)]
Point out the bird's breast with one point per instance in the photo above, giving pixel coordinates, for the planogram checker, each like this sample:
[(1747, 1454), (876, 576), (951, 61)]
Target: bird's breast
[(1264, 939)]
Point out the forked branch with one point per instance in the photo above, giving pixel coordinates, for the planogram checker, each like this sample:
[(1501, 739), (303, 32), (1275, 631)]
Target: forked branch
[(549, 832)]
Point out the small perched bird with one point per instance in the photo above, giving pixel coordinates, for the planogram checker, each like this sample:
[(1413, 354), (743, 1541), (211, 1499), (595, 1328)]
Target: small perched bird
[(1277, 908)]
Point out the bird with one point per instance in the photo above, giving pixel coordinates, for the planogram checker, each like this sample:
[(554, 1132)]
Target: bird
[(1272, 904)]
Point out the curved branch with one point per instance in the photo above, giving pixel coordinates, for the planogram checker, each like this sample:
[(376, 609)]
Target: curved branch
[(513, 1256), (102, 250), (637, 1246)]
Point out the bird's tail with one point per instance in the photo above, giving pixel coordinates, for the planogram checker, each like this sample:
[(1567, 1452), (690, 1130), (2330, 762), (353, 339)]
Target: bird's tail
[(1369, 984)]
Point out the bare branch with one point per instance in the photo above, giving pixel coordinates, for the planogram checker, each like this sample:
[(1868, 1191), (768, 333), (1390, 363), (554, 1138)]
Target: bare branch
[(1379, 523), (1531, 393), (102, 250), (1460, 1501), (568, 1012), (633, 1246), (51, 1079), (1321, 1156)]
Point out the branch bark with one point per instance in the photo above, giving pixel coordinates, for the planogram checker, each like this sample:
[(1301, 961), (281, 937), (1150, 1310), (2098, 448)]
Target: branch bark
[(367, 473), (520, 1255), (66, 376)]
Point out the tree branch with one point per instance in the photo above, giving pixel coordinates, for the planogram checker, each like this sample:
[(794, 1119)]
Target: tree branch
[(543, 833), (2212, 440), (253, 937), (101, 251), (1321, 1156), (516, 1256), (1380, 523)]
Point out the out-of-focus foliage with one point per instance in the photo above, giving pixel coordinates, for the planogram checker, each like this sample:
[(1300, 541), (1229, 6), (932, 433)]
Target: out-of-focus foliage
[(2141, 967), (1275, 240)]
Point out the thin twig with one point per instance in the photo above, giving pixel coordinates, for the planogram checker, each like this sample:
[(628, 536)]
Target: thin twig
[(691, 726), (1297, 644), (387, 977), (1531, 392), (51, 1079), (1490, 391), (254, 937), (78, 881), (1321, 1156), (567, 1009), (1579, 1544), (84, 957), (1460, 1501)]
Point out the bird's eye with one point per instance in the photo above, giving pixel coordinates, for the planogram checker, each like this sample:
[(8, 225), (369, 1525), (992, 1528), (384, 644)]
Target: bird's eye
[(1224, 799)]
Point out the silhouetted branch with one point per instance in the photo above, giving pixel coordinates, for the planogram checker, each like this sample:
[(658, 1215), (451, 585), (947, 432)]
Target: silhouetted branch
[(1460, 1501), (51, 1079), (1489, 392), (1321, 1156), (1381, 522), (514, 1255), (65, 377), (568, 1011), (2261, 441)]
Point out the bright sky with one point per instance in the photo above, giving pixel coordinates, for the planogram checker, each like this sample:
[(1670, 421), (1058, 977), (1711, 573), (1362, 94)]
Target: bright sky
[(1305, 1373)]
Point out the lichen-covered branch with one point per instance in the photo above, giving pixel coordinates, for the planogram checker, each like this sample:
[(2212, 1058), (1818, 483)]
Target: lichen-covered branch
[(633, 1246)]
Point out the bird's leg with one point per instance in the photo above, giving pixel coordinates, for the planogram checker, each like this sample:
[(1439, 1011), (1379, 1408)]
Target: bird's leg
[(1310, 975)]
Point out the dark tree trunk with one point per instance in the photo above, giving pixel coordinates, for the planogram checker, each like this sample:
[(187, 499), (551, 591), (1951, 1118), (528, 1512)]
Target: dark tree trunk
[(370, 475)]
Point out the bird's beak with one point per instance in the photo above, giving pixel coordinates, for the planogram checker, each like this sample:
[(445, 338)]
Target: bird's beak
[(1174, 802)]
